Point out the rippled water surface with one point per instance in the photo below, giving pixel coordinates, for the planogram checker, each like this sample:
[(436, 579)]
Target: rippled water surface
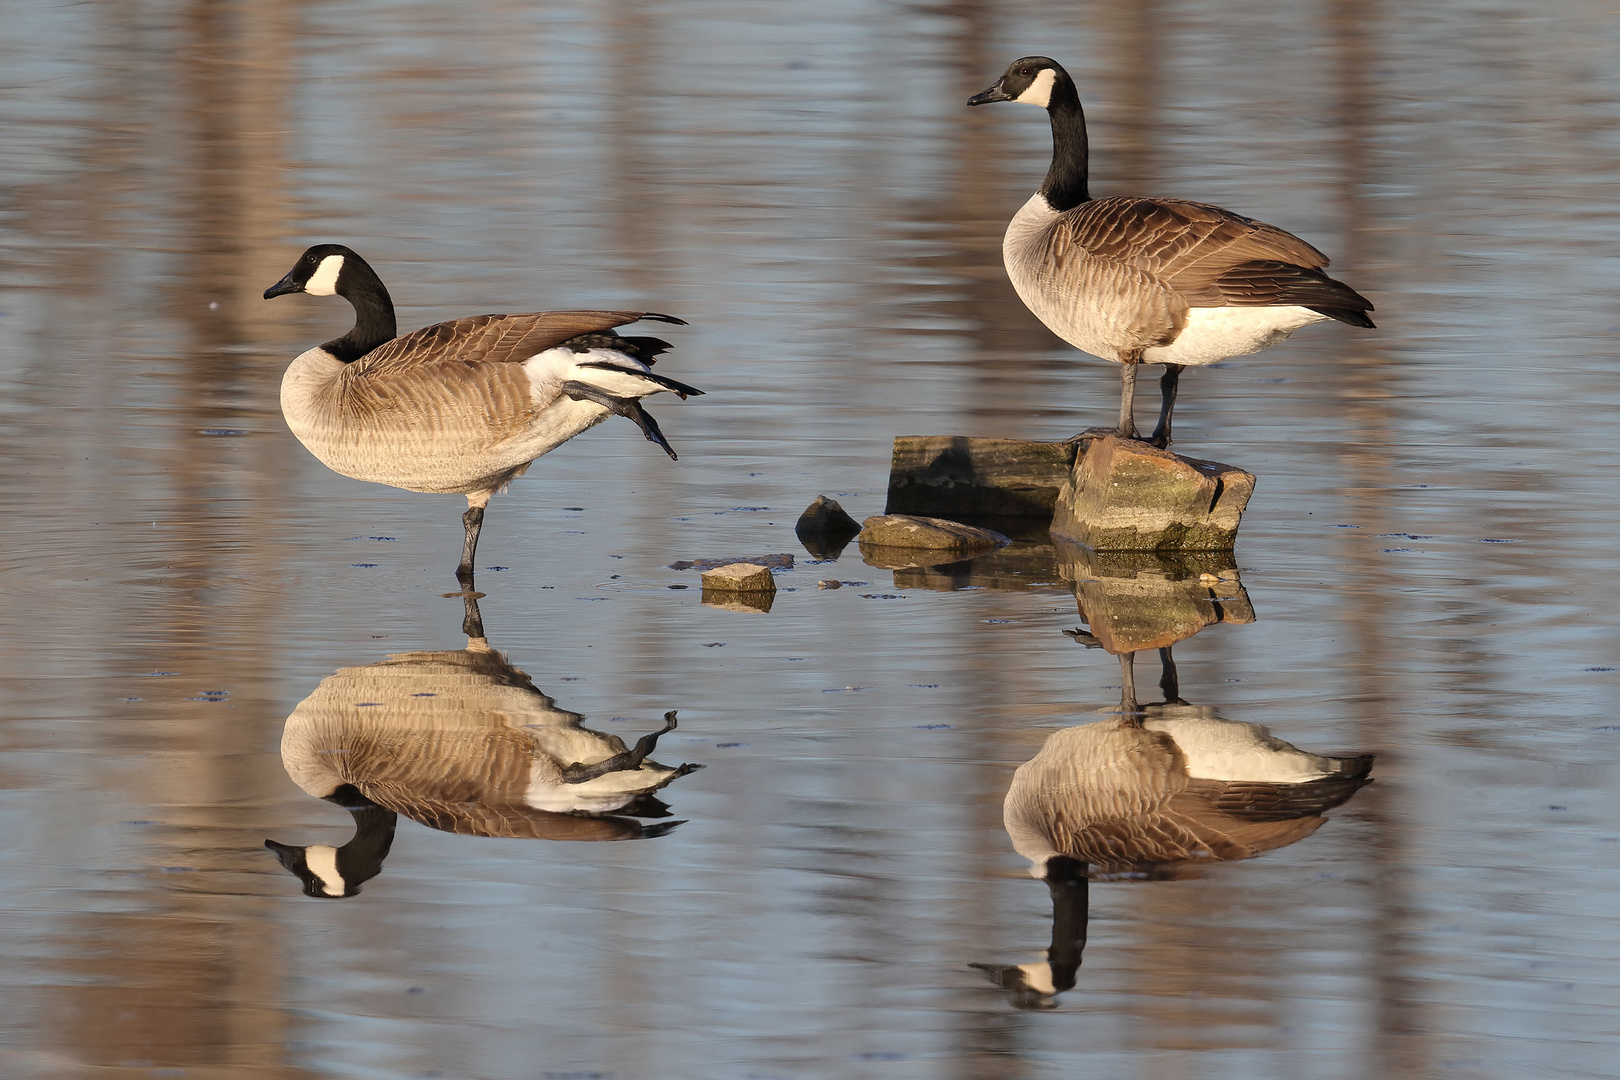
[(1428, 557)]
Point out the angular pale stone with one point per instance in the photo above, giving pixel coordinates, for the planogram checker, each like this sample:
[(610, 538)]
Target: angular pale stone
[(957, 476), (933, 534), (1134, 600), (739, 577), (1124, 495), (825, 529)]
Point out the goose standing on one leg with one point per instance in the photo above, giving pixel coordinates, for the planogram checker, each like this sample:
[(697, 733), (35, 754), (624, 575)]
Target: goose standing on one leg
[(1146, 280), (461, 407)]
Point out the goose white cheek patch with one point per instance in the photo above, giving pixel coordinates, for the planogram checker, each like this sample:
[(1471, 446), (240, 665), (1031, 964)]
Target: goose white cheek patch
[(1040, 91), (323, 282)]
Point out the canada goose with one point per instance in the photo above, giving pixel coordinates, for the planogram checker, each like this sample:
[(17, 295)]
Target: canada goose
[(461, 407), (1148, 280), (460, 741), (1144, 795), (1170, 783)]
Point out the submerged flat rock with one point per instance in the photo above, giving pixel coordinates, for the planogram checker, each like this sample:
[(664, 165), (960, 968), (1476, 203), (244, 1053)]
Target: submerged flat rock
[(935, 534)]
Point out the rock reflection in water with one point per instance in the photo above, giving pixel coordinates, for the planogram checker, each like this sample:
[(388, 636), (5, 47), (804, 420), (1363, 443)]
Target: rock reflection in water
[(1149, 795), (1135, 600), (461, 741)]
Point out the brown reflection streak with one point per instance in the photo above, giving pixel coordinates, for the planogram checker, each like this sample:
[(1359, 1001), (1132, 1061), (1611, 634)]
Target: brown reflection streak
[(1368, 400), (194, 981), (633, 173), (1011, 361), (1002, 335), (1131, 39)]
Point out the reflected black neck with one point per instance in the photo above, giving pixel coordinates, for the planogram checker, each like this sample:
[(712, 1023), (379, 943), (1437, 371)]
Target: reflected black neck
[(1071, 908), (373, 311), (1065, 186)]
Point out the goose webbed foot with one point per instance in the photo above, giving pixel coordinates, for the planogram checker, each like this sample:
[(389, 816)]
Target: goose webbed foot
[(1084, 638)]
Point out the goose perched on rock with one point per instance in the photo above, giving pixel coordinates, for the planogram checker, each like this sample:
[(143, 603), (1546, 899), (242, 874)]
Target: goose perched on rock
[(1150, 280), (460, 407)]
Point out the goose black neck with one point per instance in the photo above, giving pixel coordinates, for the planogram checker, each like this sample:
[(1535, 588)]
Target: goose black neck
[(1065, 186), (374, 322)]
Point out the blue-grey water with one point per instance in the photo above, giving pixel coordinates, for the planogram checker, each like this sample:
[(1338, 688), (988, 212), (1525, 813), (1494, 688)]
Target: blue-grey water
[(1430, 554)]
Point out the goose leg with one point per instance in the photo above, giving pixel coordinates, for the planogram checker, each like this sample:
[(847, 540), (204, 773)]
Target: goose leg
[(472, 620), (621, 762), (1127, 400), (1169, 684), (473, 521), (1130, 712), (1167, 404)]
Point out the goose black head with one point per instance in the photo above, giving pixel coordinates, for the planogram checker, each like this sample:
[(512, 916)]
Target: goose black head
[(332, 269), (320, 271), (1030, 79)]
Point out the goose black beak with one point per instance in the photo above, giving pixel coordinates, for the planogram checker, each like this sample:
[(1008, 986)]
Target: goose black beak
[(283, 287), (995, 93)]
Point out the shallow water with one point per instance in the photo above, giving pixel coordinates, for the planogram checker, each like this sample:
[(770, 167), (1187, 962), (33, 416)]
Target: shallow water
[(1428, 555)]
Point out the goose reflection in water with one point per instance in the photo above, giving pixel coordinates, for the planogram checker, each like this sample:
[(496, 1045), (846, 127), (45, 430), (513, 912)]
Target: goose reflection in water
[(1149, 795), (461, 741)]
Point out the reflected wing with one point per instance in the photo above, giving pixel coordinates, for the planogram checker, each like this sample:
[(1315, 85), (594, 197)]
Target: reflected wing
[(514, 822), (494, 339), (1252, 801)]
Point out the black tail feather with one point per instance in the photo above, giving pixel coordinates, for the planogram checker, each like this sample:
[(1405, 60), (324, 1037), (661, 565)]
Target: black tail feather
[(644, 348), (1347, 315)]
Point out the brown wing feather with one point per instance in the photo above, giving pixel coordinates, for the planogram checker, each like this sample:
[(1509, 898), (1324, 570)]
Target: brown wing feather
[(495, 339), (1160, 257), (1179, 242)]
